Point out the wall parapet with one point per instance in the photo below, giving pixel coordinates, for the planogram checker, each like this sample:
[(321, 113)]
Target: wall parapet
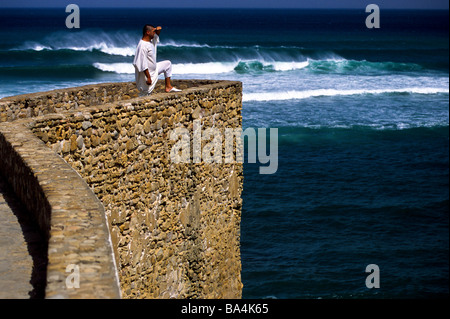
[(41, 103), (67, 212)]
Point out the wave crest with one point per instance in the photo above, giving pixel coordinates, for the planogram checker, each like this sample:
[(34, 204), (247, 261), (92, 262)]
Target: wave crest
[(341, 65), (201, 58), (211, 67), (298, 95), (119, 43)]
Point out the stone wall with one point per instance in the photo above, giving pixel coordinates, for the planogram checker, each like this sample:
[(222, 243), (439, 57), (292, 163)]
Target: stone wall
[(175, 228), (68, 213)]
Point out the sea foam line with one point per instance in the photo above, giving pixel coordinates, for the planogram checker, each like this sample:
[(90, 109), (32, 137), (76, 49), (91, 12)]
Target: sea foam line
[(181, 68), (111, 48), (120, 68), (298, 95), (203, 68)]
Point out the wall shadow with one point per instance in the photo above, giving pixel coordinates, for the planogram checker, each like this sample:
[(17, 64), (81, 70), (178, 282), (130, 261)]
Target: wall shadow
[(36, 241)]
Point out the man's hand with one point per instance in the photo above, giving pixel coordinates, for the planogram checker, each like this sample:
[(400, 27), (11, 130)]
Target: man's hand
[(149, 78)]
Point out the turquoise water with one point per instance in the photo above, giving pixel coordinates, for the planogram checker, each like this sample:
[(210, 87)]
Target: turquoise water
[(363, 130)]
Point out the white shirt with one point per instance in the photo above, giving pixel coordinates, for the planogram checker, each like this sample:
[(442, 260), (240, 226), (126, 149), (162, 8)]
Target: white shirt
[(144, 59)]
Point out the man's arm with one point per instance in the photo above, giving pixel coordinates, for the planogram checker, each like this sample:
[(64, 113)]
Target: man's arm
[(158, 30)]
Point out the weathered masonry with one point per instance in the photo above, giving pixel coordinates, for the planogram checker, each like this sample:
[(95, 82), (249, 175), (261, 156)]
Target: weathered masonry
[(92, 164)]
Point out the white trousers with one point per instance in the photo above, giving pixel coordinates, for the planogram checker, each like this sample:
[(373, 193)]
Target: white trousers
[(162, 67), (165, 67)]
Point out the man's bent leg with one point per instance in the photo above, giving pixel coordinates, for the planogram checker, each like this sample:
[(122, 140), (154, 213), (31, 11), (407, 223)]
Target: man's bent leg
[(166, 68)]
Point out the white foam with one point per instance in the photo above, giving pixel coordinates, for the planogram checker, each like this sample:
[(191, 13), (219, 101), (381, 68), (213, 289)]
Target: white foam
[(126, 51), (227, 67), (102, 46), (121, 68), (38, 47), (204, 68), (105, 48), (182, 68), (171, 43), (288, 66), (298, 95)]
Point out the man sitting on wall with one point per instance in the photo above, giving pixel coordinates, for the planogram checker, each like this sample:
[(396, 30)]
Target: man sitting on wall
[(145, 65)]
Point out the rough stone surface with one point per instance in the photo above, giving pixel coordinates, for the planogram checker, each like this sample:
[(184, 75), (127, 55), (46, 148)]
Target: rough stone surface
[(36, 104)]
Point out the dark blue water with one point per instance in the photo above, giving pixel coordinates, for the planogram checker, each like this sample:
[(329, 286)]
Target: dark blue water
[(341, 200), (363, 130)]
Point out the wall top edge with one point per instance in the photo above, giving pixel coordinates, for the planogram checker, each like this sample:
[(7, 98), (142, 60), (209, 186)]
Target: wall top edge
[(195, 84)]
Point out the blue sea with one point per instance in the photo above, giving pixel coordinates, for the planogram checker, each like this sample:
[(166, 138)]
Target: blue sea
[(363, 130)]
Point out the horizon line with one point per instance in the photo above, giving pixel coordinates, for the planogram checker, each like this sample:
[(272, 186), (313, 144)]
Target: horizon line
[(224, 8)]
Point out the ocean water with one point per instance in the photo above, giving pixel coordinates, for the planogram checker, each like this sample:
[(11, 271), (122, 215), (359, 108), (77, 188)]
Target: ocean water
[(363, 130)]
